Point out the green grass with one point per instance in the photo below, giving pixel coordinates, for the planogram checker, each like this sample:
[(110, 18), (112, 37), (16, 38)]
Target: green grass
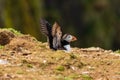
[(68, 78), (61, 77), (74, 76), (20, 72), (60, 68), (118, 73), (72, 56), (118, 51), (1, 47), (86, 77), (30, 65), (24, 61), (12, 30)]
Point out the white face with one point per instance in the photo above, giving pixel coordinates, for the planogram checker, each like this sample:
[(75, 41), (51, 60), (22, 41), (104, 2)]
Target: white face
[(68, 38)]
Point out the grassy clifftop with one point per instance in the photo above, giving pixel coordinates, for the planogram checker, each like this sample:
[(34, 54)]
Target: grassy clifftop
[(22, 57)]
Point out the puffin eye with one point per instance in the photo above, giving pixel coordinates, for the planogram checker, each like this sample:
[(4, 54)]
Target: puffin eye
[(69, 36)]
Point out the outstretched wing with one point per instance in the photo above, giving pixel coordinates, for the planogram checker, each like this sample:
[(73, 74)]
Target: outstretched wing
[(57, 34), (46, 29)]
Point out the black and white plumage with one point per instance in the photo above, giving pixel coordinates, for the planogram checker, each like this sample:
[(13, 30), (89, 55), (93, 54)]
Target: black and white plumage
[(54, 36)]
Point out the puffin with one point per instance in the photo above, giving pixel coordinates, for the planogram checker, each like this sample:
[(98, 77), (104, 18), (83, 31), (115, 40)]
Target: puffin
[(55, 39)]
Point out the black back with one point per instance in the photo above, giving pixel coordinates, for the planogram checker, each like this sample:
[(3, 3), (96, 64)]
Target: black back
[(64, 42)]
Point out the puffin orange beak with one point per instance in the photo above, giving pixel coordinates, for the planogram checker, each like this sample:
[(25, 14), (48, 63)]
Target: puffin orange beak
[(74, 38)]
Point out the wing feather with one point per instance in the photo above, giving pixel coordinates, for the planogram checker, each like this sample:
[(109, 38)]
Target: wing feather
[(53, 33), (46, 29), (57, 34)]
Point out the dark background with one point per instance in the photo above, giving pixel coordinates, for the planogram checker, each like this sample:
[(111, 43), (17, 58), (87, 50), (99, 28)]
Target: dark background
[(93, 22)]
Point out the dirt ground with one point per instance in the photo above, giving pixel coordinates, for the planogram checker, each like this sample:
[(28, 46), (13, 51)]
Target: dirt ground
[(22, 57)]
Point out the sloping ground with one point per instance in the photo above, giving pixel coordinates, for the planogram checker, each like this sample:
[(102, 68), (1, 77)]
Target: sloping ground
[(22, 57)]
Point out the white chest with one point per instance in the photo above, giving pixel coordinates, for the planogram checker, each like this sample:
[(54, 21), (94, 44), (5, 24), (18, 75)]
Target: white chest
[(67, 47)]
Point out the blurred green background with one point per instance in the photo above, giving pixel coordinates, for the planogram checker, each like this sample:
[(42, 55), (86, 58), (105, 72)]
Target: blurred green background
[(93, 22)]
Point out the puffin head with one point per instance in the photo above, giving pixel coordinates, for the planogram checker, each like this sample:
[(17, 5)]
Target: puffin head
[(69, 38)]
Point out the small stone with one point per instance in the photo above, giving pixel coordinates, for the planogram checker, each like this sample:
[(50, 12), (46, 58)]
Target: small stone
[(3, 61)]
